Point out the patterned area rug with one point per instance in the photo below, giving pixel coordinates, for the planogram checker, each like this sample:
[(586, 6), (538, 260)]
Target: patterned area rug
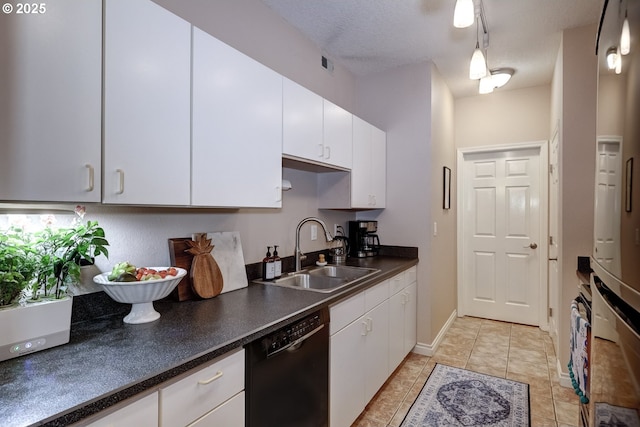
[(457, 397)]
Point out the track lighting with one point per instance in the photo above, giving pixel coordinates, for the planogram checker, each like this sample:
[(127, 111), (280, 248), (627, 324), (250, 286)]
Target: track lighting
[(463, 14)]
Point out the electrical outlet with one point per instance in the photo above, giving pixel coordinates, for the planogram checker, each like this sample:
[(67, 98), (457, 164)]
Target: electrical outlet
[(314, 232)]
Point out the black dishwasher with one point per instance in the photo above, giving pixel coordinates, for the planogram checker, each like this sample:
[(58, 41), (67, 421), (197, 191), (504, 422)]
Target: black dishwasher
[(287, 375)]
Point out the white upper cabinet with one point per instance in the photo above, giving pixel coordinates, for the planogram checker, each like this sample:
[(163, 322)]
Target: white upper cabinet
[(302, 122), (314, 129), (365, 186), (368, 174), (337, 135), (50, 101), (147, 104), (237, 128)]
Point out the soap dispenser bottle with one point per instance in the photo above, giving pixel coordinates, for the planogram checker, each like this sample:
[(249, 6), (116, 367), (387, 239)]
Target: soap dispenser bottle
[(268, 266), (277, 262)]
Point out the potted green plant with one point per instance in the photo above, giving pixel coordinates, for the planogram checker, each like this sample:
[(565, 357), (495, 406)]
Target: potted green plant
[(19, 263), (35, 271), (62, 252)]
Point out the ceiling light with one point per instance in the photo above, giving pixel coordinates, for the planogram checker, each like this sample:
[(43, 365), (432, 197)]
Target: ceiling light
[(495, 78), (625, 37), (463, 14), (612, 58), (501, 76), (478, 66), (486, 85)]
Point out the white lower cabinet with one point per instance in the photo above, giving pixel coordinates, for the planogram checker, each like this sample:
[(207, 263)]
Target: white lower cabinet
[(358, 352), (402, 317), (141, 413), (230, 413), (210, 396), (206, 395), (370, 334)]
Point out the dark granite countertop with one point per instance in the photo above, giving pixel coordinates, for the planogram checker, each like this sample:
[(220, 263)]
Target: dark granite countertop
[(107, 361)]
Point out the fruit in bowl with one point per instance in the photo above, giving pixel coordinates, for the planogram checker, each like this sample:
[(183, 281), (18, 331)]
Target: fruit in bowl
[(140, 287)]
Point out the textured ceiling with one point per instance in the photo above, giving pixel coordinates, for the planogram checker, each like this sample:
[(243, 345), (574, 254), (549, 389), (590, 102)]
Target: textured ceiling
[(368, 36)]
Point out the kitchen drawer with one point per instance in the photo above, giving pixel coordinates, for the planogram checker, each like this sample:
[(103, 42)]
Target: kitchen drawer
[(141, 413), (411, 275), (398, 282), (193, 396), (345, 312), (229, 414), (376, 295)]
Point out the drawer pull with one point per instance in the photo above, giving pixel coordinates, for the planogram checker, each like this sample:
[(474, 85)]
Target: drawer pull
[(218, 375)]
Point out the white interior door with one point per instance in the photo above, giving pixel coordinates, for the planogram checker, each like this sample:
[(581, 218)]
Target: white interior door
[(502, 252), (608, 203)]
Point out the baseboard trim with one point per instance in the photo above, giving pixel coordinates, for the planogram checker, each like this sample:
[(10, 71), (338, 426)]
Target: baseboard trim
[(565, 379), (430, 349)]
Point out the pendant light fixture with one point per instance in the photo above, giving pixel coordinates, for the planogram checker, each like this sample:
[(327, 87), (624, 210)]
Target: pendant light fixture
[(463, 14), (478, 65), (612, 58), (625, 37)]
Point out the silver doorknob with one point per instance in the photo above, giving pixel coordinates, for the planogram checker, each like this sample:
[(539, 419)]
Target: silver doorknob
[(532, 246)]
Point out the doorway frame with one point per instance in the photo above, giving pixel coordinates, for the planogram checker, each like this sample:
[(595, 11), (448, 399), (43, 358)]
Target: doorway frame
[(543, 150)]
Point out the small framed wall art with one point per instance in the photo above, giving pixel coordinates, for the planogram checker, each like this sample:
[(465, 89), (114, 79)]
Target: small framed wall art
[(446, 188), (628, 200)]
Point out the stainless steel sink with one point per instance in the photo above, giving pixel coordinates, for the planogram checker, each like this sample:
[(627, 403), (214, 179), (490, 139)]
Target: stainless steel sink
[(325, 279)]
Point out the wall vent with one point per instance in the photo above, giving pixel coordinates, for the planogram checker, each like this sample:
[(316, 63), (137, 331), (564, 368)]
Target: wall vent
[(327, 64)]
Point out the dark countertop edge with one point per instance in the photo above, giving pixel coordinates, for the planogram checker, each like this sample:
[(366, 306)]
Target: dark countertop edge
[(146, 386)]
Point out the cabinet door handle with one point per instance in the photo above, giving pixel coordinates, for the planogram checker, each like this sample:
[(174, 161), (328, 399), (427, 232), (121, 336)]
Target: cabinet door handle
[(91, 175), (369, 324), (218, 375), (365, 328), (327, 152), (121, 181)]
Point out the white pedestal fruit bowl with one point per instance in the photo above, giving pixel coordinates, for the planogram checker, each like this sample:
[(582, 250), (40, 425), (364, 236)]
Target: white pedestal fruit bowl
[(140, 294)]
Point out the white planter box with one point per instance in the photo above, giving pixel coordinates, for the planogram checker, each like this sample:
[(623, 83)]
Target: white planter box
[(34, 327)]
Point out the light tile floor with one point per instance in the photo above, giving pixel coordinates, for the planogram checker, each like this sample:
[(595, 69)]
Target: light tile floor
[(507, 350)]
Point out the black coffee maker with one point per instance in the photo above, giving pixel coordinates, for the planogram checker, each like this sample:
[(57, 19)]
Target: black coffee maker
[(363, 240)]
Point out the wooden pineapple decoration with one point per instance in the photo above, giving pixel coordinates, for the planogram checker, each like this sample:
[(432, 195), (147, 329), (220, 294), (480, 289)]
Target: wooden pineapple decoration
[(206, 277)]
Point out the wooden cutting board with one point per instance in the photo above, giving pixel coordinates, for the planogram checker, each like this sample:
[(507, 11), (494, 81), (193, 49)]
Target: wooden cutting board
[(228, 254)]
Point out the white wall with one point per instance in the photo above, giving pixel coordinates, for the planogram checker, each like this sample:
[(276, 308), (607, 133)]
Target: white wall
[(577, 166), (443, 274), (399, 100), (503, 117)]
